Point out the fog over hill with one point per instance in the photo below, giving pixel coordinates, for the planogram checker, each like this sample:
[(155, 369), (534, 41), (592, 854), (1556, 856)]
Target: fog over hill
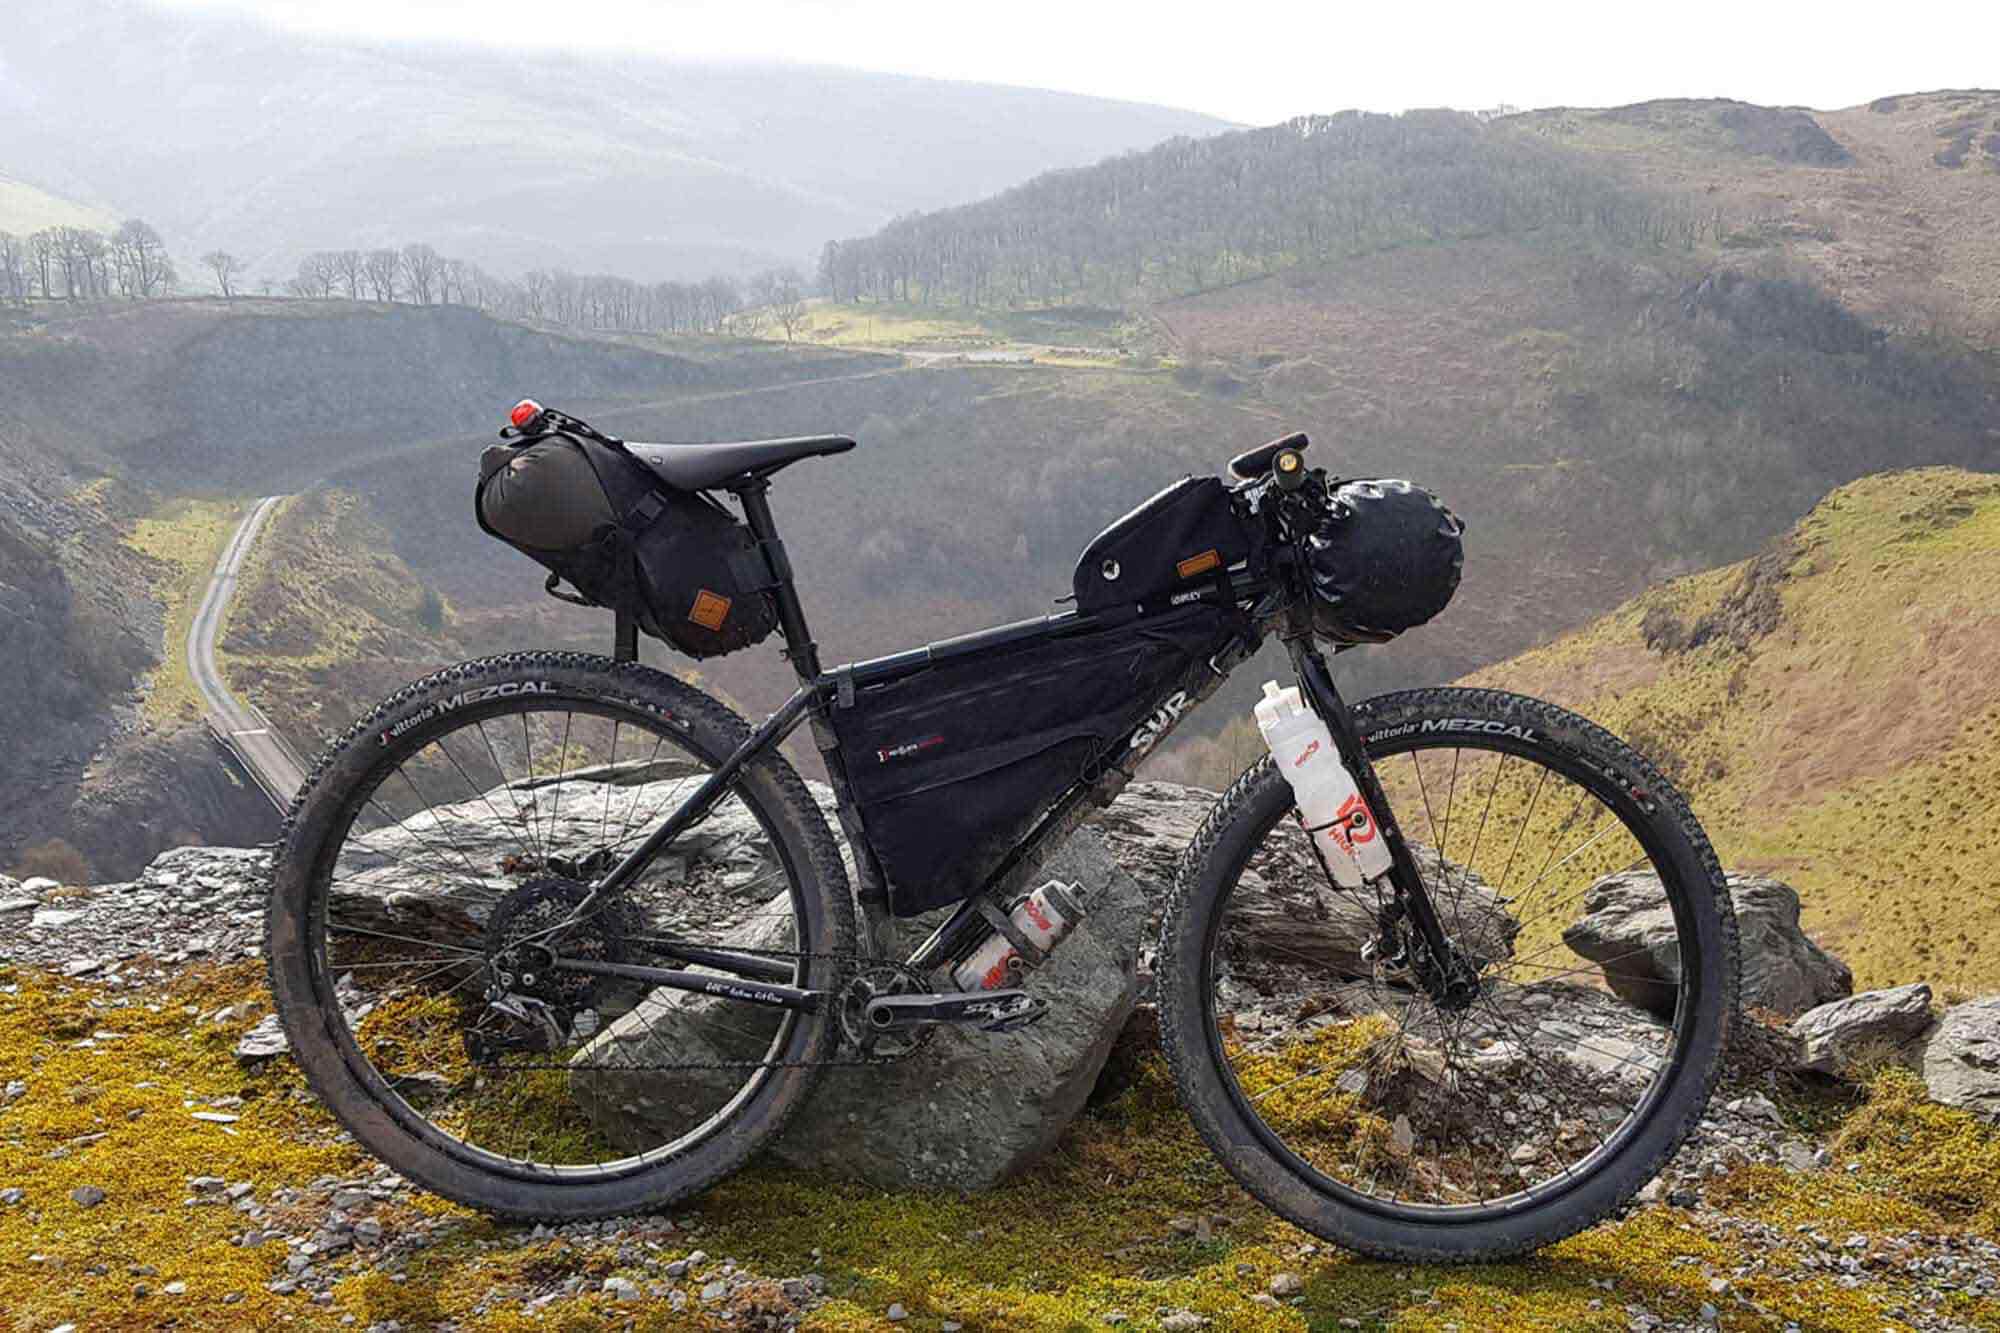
[(223, 132)]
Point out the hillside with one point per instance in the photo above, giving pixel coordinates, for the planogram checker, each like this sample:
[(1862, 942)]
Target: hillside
[(1887, 205), (25, 208), (131, 435), (1830, 706), (511, 158)]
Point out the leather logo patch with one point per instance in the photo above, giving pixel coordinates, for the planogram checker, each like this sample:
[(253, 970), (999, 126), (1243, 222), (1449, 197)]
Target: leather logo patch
[(710, 609), (1199, 564)]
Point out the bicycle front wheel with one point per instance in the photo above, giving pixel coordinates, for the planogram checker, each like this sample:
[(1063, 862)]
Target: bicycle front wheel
[(1418, 1122), (451, 988)]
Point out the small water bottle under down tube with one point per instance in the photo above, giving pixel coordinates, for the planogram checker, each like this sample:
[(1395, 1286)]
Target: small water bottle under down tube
[(1342, 827), (1046, 917)]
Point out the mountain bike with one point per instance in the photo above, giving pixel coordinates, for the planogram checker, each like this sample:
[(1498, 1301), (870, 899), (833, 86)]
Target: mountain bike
[(561, 936)]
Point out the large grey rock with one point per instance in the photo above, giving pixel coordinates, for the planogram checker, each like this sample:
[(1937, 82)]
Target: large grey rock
[(1282, 906), (966, 1111), (438, 873), (1833, 1036), (1961, 1058), (1628, 929)]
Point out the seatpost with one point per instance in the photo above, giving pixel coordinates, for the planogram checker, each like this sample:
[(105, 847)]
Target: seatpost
[(799, 645)]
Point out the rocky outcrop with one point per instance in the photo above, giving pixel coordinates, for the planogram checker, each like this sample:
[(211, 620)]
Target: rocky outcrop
[(964, 1111), (1834, 1037), (1961, 1058), (1628, 929)]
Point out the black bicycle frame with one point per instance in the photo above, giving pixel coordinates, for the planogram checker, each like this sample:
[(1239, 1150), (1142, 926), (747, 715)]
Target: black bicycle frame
[(765, 977)]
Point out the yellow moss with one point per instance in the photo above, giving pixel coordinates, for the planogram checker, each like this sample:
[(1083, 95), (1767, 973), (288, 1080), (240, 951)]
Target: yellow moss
[(1943, 1159), (116, 1112), (1085, 1233)]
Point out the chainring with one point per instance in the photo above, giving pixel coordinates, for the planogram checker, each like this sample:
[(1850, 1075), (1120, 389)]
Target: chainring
[(871, 981)]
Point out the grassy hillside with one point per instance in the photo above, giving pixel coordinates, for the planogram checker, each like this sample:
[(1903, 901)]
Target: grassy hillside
[(1830, 707), (26, 208)]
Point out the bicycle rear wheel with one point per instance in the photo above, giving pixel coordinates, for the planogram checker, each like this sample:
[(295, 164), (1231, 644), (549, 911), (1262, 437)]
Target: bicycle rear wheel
[(426, 939), (1419, 1122)]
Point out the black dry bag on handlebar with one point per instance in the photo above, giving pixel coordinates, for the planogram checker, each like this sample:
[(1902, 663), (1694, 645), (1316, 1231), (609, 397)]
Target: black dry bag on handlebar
[(679, 564), (1386, 558)]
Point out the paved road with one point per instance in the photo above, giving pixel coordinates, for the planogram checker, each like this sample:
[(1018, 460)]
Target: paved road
[(238, 725)]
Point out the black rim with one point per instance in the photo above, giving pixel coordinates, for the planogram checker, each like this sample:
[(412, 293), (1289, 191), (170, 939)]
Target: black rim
[(459, 751), (1632, 819)]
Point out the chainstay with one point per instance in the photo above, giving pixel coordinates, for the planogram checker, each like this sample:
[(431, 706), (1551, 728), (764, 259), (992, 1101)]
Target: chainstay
[(850, 959)]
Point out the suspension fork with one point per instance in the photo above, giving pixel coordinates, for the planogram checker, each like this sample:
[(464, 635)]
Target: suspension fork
[(1317, 681)]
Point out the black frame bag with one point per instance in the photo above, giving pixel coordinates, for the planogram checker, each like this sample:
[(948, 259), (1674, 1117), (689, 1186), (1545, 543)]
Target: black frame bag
[(953, 765), (676, 562)]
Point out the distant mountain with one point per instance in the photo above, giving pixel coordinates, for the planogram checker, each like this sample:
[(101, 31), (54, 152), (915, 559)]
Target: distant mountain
[(223, 132)]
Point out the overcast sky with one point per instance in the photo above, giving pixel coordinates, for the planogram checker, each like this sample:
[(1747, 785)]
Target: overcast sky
[(1262, 62)]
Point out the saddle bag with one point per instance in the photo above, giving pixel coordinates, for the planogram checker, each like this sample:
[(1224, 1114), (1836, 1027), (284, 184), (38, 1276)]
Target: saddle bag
[(1386, 559), (952, 765), (676, 562), (1184, 538)]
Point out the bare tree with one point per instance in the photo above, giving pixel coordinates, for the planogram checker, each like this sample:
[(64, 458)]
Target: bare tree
[(42, 250), (225, 267), (788, 302), (420, 270), (317, 275), (351, 267), (14, 271), (140, 258), (382, 268)]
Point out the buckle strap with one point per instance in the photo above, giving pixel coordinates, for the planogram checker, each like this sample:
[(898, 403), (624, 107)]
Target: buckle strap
[(1031, 953)]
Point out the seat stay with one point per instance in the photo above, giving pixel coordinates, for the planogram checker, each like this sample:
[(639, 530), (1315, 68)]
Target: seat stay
[(700, 467)]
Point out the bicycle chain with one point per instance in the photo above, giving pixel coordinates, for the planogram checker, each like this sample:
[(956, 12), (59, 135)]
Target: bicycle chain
[(853, 959)]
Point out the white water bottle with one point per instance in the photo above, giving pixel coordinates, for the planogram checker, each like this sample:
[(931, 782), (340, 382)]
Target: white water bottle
[(1045, 917), (1301, 745)]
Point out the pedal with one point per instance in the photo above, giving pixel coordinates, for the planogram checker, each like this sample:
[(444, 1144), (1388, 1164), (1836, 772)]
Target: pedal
[(1028, 1012), (987, 1010)]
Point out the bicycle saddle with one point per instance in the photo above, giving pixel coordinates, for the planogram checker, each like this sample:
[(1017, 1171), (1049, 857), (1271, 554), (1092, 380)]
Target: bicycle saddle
[(698, 467)]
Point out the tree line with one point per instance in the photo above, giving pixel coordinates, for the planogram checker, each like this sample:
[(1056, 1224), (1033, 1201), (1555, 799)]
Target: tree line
[(1197, 213), (79, 264)]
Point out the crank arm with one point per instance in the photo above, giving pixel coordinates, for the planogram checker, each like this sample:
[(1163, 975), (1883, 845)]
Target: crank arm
[(987, 1010), (701, 983)]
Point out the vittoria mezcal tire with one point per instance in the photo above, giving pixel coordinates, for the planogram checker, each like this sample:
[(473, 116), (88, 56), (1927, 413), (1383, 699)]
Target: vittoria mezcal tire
[(1359, 1108)]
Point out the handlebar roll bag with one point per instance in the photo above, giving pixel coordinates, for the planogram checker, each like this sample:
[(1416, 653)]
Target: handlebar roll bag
[(684, 568), (953, 764), (1385, 559)]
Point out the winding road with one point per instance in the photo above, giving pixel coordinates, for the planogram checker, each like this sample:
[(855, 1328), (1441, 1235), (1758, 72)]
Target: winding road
[(239, 726)]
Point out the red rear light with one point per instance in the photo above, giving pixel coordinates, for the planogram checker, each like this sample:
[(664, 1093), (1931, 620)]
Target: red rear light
[(524, 412)]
